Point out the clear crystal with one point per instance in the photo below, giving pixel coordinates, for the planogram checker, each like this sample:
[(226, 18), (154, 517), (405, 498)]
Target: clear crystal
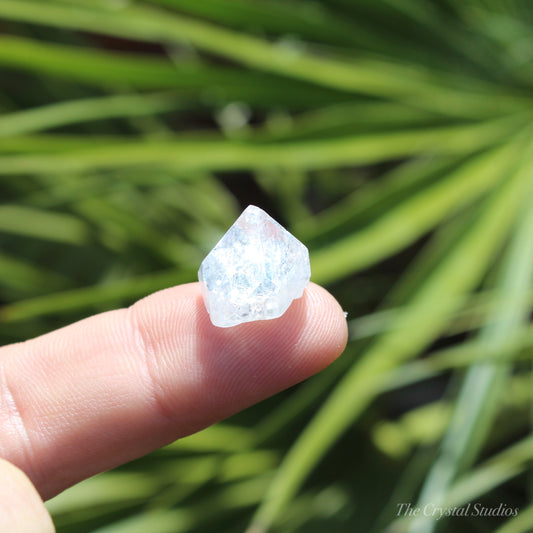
[(254, 272)]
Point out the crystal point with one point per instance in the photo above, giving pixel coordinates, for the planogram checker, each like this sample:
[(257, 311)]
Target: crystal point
[(254, 272)]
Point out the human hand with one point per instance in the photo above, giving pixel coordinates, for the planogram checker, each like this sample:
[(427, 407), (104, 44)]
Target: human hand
[(146, 375)]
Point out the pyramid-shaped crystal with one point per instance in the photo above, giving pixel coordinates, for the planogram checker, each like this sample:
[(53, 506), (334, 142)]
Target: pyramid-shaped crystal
[(254, 272)]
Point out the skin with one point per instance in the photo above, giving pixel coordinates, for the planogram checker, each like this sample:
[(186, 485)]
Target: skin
[(146, 375)]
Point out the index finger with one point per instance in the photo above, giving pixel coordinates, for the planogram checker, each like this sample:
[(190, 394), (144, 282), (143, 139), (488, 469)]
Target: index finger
[(117, 385)]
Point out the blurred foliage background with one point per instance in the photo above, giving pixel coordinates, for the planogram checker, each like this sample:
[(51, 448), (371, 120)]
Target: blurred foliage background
[(393, 137)]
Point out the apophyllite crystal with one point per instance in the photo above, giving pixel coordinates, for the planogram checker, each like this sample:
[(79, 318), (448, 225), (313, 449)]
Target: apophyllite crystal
[(254, 272)]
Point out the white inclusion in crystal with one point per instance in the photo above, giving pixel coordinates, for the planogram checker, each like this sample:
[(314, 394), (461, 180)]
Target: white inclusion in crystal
[(254, 272)]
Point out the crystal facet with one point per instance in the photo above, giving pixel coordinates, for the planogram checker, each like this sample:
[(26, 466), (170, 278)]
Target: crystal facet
[(254, 272)]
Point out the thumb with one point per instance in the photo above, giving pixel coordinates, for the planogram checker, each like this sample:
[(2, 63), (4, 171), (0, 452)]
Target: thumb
[(21, 507)]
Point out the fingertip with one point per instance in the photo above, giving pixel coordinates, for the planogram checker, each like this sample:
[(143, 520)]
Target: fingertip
[(327, 324), (308, 337), (206, 373), (246, 363)]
